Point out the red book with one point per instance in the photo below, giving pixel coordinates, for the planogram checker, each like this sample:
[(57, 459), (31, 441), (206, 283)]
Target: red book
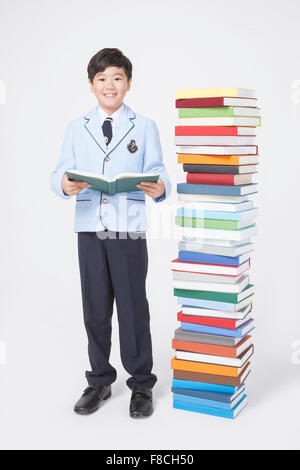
[(215, 102), (215, 130), (211, 321), (219, 179)]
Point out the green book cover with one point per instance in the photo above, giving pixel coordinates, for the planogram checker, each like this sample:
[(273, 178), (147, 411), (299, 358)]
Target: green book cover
[(122, 183), (227, 111), (215, 296), (207, 223)]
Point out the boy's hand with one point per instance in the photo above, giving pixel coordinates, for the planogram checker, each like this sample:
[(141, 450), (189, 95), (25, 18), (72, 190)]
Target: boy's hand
[(73, 187), (152, 189)]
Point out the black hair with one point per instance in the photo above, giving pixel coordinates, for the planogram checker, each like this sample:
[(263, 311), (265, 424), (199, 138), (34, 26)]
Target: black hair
[(109, 57)]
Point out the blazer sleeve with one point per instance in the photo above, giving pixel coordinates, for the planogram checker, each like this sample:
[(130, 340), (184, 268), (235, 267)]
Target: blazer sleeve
[(153, 161), (65, 162)]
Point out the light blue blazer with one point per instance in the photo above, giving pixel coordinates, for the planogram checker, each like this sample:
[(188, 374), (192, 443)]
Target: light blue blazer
[(84, 149)]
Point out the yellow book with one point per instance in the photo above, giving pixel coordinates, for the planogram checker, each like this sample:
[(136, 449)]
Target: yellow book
[(217, 159), (203, 367), (215, 92)]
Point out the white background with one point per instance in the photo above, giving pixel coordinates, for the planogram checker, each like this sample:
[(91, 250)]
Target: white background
[(44, 50)]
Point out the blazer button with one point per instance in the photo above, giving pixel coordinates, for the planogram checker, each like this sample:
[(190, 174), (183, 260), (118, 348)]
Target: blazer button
[(107, 158), (104, 201)]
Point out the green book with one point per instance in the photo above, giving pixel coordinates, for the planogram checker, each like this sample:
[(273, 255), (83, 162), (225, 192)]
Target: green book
[(210, 223), (227, 111), (122, 183), (215, 296)]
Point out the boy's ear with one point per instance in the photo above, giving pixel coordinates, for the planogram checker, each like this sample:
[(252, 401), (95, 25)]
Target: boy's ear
[(91, 86), (129, 84)]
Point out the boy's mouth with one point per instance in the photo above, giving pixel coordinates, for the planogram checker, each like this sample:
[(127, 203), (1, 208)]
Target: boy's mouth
[(110, 94)]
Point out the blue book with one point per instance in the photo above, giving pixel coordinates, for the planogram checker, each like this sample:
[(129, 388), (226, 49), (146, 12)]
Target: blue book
[(209, 410), (221, 215), (196, 257), (203, 402), (211, 304), (220, 190), (194, 385), (214, 330), (214, 396)]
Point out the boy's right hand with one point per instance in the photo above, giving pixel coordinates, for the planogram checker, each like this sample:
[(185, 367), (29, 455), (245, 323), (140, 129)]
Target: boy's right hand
[(73, 187)]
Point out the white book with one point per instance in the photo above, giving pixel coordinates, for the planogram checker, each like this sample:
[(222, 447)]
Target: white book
[(244, 169), (188, 210), (209, 268), (240, 224), (214, 140), (207, 241), (210, 198), (216, 250), (219, 206), (244, 111), (218, 234), (249, 102), (220, 121), (219, 150), (212, 286), (198, 277), (215, 93), (205, 312), (210, 359)]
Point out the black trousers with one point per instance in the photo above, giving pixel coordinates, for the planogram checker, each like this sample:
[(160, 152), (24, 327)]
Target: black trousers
[(116, 268)]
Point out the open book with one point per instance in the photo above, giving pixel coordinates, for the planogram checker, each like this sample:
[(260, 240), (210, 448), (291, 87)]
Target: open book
[(124, 182)]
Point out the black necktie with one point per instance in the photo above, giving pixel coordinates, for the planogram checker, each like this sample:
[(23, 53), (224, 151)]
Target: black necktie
[(107, 130)]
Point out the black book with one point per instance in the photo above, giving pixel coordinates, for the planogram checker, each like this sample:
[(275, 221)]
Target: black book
[(225, 169)]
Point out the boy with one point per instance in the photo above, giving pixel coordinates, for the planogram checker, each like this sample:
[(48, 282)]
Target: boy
[(112, 248)]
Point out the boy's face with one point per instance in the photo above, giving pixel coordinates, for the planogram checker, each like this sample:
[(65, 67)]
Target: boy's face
[(110, 88)]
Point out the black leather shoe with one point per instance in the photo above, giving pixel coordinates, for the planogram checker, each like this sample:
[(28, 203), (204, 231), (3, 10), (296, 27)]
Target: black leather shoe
[(91, 398), (141, 402)]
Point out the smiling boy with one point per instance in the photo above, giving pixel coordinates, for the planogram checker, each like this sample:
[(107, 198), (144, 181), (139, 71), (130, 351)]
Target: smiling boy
[(112, 249)]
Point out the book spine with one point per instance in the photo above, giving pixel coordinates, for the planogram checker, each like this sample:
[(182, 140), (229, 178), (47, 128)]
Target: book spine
[(206, 223), (112, 188), (204, 258), (199, 102), (209, 178), (203, 348), (189, 188), (227, 111), (215, 169), (207, 295), (218, 322), (206, 130)]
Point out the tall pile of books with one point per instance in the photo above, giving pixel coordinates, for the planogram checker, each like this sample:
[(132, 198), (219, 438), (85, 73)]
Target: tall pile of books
[(215, 142)]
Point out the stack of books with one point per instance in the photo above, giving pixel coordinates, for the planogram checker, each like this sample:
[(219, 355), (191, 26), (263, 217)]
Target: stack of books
[(215, 141)]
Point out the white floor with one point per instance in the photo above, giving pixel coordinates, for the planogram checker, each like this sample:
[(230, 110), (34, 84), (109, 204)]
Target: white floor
[(37, 401)]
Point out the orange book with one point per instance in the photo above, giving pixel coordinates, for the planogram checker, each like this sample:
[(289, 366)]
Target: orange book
[(213, 349), (217, 159), (205, 368)]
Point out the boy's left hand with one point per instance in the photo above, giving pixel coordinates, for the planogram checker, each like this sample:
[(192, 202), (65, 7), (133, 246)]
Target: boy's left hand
[(152, 189)]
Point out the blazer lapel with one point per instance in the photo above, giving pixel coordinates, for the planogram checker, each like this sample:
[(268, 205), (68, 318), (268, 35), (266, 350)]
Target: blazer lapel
[(93, 127), (125, 125)]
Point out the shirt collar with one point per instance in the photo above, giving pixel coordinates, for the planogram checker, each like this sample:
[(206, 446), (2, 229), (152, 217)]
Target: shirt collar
[(115, 116)]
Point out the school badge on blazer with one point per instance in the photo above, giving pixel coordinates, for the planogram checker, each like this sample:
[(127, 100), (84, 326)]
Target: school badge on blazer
[(132, 147)]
